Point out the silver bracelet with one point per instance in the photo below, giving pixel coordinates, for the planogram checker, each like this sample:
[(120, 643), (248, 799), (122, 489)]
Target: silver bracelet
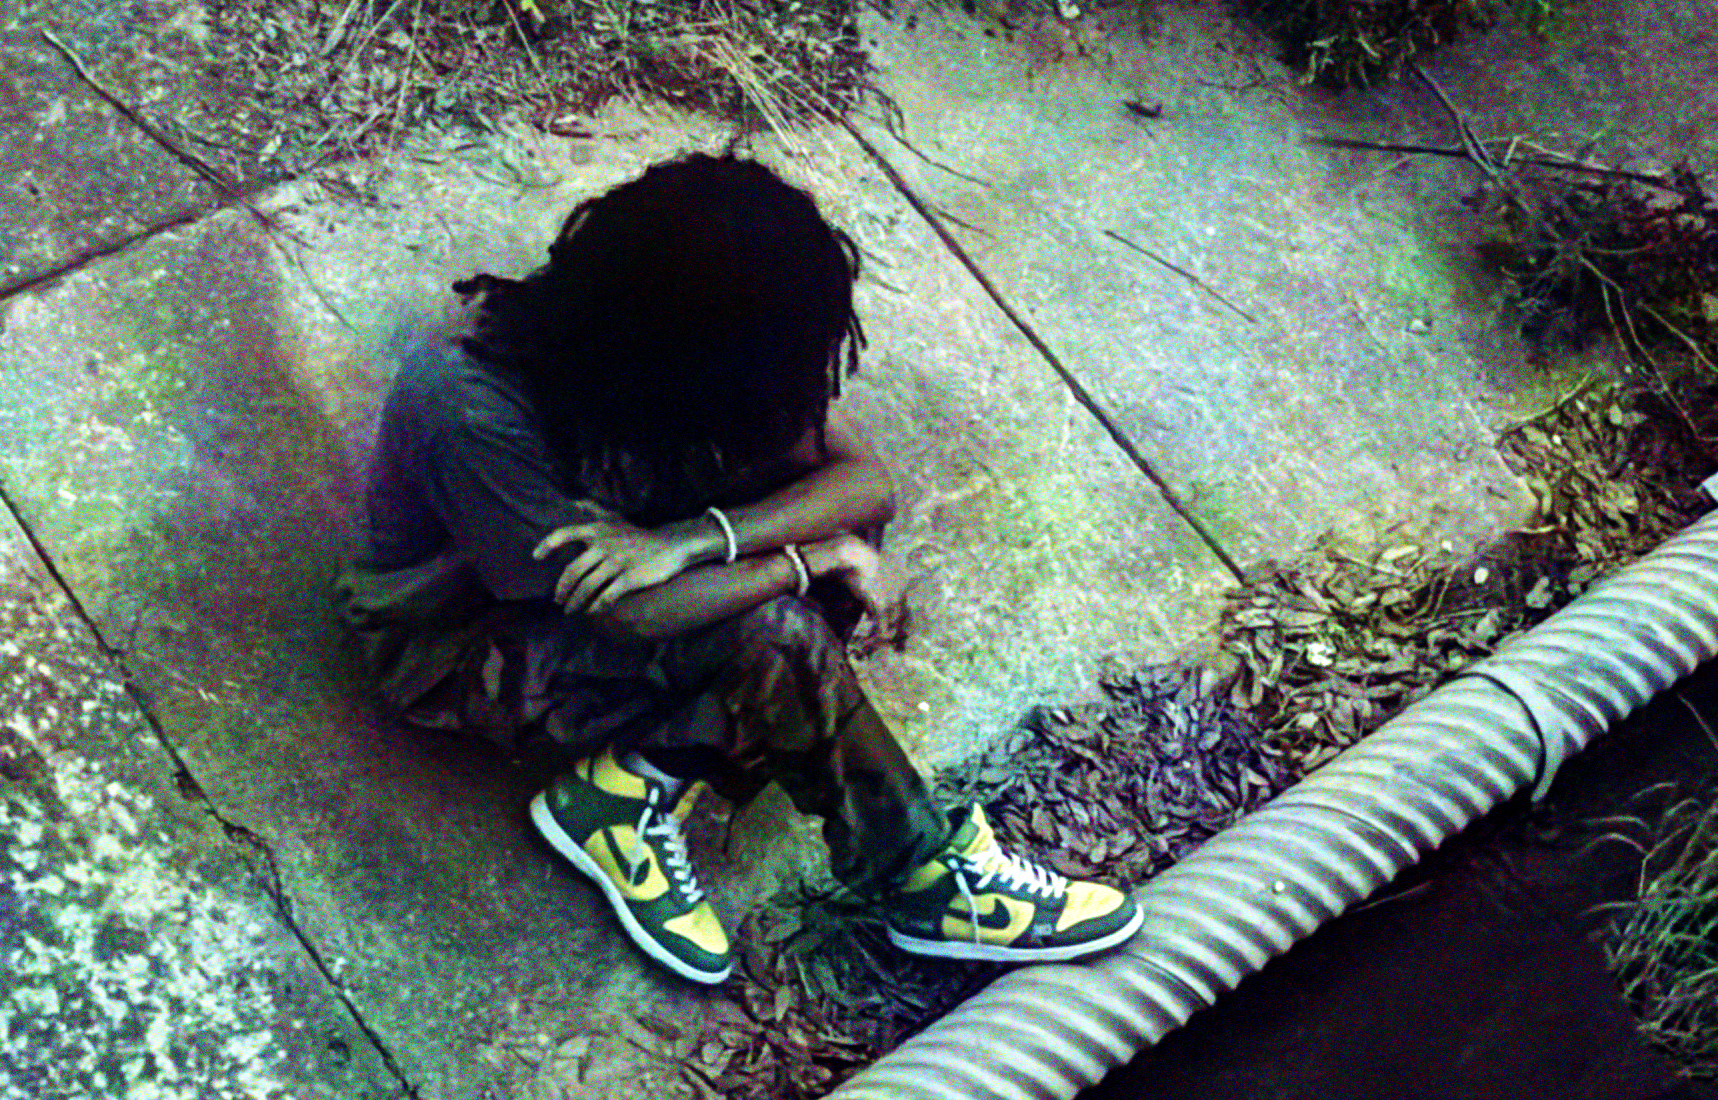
[(727, 532), (799, 568)]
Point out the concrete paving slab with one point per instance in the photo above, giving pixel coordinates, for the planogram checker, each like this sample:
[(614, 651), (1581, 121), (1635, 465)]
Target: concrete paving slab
[(76, 176), (1318, 408), (143, 953)]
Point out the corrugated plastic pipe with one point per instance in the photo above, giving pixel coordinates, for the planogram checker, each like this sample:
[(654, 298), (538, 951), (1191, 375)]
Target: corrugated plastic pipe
[(1046, 1032)]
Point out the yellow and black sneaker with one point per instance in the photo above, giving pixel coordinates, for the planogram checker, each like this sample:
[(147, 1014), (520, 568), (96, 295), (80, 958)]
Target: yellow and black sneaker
[(619, 829), (974, 901)]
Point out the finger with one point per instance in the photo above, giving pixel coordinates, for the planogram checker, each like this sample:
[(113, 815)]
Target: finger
[(618, 585), (897, 632), (874, 607), (559, 538), (595, 581), (623, 585), (579, 598), (635, 577), (576, 571)]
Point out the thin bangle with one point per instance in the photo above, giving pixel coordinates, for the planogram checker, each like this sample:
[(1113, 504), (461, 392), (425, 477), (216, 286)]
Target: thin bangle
[(799, 568), (727, 532)]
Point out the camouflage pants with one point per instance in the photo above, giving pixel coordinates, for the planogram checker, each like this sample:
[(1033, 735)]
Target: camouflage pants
[(764, 696)]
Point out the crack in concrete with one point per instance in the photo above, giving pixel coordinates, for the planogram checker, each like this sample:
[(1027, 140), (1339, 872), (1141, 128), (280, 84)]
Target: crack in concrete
[(101, 252), (89, 256), (1078, 390), (186, 783)]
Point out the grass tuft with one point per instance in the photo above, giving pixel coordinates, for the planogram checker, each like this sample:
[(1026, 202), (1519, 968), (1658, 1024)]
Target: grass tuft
[(1664, 948), (1341, 44)]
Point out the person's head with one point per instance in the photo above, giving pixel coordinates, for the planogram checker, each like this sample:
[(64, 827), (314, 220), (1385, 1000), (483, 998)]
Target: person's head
[(704, 304)]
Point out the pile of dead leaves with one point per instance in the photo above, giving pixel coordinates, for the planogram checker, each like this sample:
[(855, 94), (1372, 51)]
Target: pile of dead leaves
[(315, 81), (1615, 469), (1118, 789), (1329, 647)]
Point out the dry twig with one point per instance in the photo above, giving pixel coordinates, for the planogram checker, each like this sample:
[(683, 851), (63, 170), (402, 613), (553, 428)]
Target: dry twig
[(1184, 273), (1565, 163)]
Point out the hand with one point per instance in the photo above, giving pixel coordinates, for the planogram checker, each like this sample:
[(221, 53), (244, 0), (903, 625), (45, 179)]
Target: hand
[(860, 569), (618, 559)]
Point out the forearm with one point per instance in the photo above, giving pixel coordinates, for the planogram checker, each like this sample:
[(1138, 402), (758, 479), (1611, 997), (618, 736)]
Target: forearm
[(701, 596), (842, 496)]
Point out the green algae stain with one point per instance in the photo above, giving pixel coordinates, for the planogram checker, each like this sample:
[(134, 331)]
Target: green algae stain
[(1421, 276), (1055, 530), (1216, 505), (1042, 522)]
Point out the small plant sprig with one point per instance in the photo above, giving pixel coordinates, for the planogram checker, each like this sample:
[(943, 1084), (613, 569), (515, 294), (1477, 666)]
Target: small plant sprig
[(1341, 44), (1664, 947)]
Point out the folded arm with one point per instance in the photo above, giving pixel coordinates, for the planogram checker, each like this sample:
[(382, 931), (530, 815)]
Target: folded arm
[(847, 491), (672, 579)]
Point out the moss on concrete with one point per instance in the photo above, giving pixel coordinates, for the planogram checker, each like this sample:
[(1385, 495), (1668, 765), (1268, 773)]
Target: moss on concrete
[(1421, 275)]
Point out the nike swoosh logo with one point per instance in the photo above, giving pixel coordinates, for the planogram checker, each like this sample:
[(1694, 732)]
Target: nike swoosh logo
[(1000, 919), (993, 912), (624, 858), (608, 852)]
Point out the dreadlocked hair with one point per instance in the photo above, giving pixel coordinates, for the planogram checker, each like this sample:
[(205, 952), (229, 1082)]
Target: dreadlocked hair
[(702, 311)]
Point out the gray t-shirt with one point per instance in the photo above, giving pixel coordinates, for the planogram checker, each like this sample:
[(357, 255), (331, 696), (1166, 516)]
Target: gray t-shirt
[(461, 470)]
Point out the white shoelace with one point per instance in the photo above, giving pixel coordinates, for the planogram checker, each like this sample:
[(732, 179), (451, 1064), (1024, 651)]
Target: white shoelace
[(1015, 872), (665, 828)]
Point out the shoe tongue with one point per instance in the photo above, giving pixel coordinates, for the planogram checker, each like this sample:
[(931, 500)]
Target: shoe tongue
[(974, 835), (672, 786), (683, 797)]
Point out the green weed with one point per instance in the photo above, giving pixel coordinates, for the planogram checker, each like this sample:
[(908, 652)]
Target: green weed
[(1664, 948)]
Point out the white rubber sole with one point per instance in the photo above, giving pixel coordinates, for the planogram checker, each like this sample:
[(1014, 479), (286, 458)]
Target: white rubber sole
[(990, 952), (558, 839)]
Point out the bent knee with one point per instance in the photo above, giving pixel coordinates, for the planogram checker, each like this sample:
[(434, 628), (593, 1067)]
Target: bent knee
[(787, 624)]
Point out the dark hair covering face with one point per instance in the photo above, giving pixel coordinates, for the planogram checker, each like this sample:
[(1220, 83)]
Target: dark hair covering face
[(704, 308)]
